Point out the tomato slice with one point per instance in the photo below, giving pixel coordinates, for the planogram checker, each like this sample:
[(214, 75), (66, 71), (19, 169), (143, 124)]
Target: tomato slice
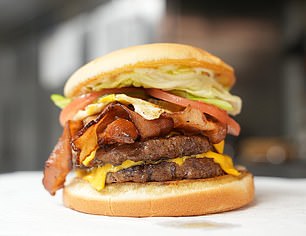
[(221, 115), (82, 101)]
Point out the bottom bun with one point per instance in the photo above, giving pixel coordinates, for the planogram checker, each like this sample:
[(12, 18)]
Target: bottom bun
[(173, 198)]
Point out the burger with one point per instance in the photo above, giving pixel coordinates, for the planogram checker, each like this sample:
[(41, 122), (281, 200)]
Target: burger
[(144, 130)]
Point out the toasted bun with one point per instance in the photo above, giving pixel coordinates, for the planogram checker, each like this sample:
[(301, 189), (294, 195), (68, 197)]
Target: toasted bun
[(146, 56), (176, 198)]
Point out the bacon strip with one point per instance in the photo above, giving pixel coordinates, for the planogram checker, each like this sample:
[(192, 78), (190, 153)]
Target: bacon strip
[(193, 121), (88, 138), (119, 131), (59, 163), (150, 128), (217, 133)]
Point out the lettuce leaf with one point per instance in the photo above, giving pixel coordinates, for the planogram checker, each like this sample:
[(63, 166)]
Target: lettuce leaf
[(199, 83), (224, 105), (60, 100)]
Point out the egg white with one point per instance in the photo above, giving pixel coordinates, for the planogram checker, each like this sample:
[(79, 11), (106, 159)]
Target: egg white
[(144, 108)]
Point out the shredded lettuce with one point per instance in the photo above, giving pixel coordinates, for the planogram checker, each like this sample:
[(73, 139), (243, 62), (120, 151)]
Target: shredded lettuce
[(60, 100), (198, 83)]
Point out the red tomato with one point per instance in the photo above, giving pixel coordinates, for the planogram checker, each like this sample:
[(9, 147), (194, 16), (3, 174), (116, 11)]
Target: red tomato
[(221, 115), (82, 101)]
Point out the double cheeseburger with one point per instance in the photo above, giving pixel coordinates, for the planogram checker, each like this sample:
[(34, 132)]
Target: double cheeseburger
[(144, 130)]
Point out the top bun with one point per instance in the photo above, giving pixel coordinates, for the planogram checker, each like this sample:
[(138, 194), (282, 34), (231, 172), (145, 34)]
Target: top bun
[(147, 56)]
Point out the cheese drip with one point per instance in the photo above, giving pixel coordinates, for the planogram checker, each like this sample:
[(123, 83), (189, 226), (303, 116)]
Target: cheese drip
[(97, 176)]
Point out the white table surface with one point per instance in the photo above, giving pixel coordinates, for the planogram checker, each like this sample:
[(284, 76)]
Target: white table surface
[(27, 209)]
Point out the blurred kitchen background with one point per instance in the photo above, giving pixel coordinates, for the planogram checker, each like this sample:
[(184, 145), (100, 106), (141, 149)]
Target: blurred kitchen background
[(43, 41)]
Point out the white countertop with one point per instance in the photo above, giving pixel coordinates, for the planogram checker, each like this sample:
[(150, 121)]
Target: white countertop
[(27, 209)]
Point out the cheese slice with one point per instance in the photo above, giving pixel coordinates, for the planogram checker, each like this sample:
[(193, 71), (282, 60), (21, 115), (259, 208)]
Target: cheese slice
[(219, 147), (97, 176), (224, 161), (89, 158)]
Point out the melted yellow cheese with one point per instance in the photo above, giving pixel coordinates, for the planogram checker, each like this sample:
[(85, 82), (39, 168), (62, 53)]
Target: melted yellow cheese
[(89, 158), (97, 176), (219, 147), (224, 161), (180, 160)]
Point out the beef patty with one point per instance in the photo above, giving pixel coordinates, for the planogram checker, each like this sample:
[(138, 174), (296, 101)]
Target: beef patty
[(151, 150), (192, 168)]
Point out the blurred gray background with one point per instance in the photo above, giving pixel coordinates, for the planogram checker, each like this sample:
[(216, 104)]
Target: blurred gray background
[(43, 41)]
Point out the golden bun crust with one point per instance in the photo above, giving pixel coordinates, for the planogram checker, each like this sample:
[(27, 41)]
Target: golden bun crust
[(146, 56), (175, 198)]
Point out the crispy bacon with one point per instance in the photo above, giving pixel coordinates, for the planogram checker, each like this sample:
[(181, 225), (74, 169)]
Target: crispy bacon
[(119, 131), (217, 133), (149, 128), (189, 120), (87, 139), (193, 121), (59, 163)]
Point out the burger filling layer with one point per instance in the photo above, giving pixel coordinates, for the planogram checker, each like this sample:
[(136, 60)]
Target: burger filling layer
[(118, 138)]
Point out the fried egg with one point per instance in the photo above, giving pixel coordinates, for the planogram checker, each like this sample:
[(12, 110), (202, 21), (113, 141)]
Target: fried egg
[(144, 108)]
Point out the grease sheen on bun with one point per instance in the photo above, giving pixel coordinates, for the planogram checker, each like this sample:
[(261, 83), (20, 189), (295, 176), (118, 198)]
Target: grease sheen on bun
[(147, 56), (175, 198)]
